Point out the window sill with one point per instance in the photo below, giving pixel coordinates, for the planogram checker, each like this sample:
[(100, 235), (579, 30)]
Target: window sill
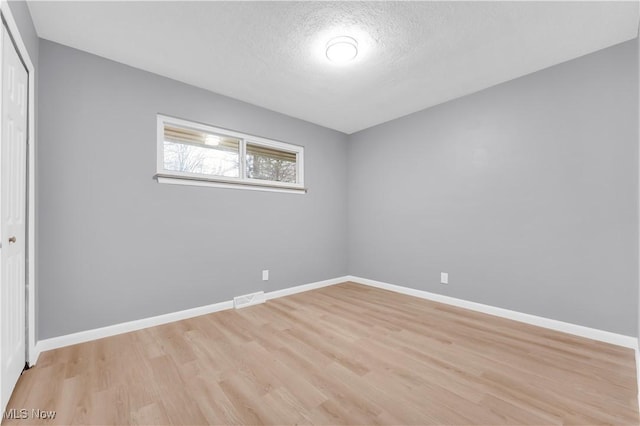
[(176, 180)]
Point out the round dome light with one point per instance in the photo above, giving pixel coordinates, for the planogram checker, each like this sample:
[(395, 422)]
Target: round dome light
[(342, 49)]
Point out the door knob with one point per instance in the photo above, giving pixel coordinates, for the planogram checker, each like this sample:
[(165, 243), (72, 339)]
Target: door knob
[(12, 239)]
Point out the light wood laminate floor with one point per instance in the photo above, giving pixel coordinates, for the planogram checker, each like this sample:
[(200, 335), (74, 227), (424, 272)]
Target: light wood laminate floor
[(346, 354)]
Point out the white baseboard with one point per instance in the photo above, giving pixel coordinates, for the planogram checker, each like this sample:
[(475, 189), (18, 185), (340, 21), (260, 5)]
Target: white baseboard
[(126, 327), (565, 327), (98, 333), (305, 287)]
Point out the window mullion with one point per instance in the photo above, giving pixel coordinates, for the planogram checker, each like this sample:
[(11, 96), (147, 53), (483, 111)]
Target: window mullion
[(243, 159)]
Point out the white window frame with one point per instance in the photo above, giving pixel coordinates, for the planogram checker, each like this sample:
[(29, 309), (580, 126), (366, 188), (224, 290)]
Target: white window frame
[(242, 182)]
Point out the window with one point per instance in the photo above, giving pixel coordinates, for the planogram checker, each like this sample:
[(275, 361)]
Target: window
[(197, 154)]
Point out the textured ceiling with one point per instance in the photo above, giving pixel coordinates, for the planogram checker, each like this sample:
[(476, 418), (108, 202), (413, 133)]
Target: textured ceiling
[(412, 54)]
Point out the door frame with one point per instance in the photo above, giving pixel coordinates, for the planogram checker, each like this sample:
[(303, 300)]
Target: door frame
[(30, 285)]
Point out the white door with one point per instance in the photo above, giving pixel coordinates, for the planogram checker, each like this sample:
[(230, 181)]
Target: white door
[(13, 189)]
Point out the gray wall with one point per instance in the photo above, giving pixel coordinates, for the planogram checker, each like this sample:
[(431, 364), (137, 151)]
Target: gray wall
[(115, 245), (526, 193)]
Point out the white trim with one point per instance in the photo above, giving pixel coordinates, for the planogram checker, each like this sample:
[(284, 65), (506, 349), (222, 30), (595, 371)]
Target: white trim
[(240, 182), (565, 327), (35, 355), (126, 327), (305, 287), (578, 330), (31, 225), (228, 185)]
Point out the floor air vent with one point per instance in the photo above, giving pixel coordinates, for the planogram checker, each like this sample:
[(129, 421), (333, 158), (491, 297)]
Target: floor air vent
[(248, 300)]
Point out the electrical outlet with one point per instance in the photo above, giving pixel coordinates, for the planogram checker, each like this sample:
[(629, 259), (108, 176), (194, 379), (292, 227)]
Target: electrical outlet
[(265, 275), (444, 278)]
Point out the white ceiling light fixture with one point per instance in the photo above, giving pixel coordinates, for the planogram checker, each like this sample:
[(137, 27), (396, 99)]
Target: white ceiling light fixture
[(401, 66), (342, 49)]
